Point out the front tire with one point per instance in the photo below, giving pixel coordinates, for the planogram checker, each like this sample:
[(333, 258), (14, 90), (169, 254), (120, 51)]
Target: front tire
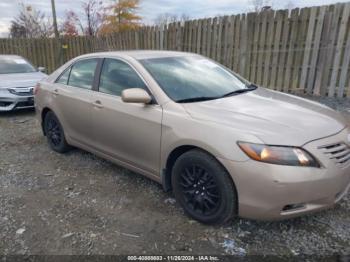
[(204, 188), (55, 134)]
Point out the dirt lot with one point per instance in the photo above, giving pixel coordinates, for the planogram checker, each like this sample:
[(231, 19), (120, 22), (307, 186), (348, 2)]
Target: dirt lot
[(80, 204)]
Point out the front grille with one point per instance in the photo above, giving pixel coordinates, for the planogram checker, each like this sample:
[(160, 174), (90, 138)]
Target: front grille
[(22, 91), (337, 152)]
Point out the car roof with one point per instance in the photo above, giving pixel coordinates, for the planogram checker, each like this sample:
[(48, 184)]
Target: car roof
[(10, 56), (142, 54)]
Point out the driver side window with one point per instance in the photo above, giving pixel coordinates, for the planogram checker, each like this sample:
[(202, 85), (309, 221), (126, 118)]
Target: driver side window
[(116, 76)]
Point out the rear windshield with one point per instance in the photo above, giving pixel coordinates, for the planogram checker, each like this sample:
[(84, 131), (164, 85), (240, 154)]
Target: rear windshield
[(14, 65)]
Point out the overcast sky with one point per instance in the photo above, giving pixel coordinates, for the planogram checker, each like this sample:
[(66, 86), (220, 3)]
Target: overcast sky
[(149, 9)]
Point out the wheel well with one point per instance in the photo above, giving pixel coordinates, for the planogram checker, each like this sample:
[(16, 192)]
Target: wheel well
[(43, 114), (173, 156)]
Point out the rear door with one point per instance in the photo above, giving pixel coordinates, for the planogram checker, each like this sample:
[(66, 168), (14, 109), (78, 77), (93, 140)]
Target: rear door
[(73, 97), (130, 132)]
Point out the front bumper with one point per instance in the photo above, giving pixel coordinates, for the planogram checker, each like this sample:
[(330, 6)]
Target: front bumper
[(9, 101), (274, 192)]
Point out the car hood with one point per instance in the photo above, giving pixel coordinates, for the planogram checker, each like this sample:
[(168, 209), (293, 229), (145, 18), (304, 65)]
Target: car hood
[(273, 117), (20, 80)]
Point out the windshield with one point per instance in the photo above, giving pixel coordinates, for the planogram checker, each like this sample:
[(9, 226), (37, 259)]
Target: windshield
[(193, 77), (14, 65)]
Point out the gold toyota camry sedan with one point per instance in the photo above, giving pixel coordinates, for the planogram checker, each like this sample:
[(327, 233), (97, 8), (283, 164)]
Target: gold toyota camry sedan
[(223, 145)]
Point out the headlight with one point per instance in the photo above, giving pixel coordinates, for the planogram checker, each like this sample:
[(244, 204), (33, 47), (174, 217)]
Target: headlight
[(279, 155)]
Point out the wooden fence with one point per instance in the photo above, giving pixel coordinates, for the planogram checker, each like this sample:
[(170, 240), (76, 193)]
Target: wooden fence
[(300, 51)]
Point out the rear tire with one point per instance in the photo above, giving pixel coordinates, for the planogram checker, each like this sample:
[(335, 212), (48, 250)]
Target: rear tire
[(204, 188), (55, 134)]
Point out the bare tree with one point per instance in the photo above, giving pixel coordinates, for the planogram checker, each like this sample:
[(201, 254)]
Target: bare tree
[(88, 24), (17, 30), (259, 5), (167, 18), (30, 23), (184, 17), (71, 24), (93, 15)]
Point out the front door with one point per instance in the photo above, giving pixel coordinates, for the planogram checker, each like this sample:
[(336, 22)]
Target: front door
[(129, 132)]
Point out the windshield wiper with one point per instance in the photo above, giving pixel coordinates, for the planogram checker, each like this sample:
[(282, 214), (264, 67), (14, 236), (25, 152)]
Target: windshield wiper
[(196, 99), (249, 88)]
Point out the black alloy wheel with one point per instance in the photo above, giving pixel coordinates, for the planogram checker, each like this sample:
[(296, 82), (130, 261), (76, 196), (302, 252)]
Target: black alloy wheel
[(200, 190), (55, 134), (204, 188)]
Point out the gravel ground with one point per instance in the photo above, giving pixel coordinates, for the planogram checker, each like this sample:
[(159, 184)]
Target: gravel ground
[(78, 203)]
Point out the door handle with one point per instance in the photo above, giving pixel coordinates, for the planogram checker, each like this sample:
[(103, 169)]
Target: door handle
[(55, 92), (98, 104)]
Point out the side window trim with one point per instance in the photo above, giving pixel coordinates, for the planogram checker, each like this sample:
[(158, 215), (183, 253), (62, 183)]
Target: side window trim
[(96, 72), (69, 68), (100, 67)]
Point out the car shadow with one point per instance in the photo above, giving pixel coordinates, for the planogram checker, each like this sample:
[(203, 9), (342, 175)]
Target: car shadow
[(18, 113)]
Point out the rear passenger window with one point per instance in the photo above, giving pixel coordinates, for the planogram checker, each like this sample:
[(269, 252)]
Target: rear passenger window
[(117, 76), (63, 79), (82, 74)]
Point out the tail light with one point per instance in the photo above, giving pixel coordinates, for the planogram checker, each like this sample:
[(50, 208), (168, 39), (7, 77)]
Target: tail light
[(36, 89)]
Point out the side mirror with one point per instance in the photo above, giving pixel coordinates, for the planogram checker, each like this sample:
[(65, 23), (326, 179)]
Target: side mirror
[(136, 95), (41, 69)]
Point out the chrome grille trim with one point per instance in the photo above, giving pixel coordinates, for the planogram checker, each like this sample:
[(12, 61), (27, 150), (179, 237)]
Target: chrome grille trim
[(21, 91)]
